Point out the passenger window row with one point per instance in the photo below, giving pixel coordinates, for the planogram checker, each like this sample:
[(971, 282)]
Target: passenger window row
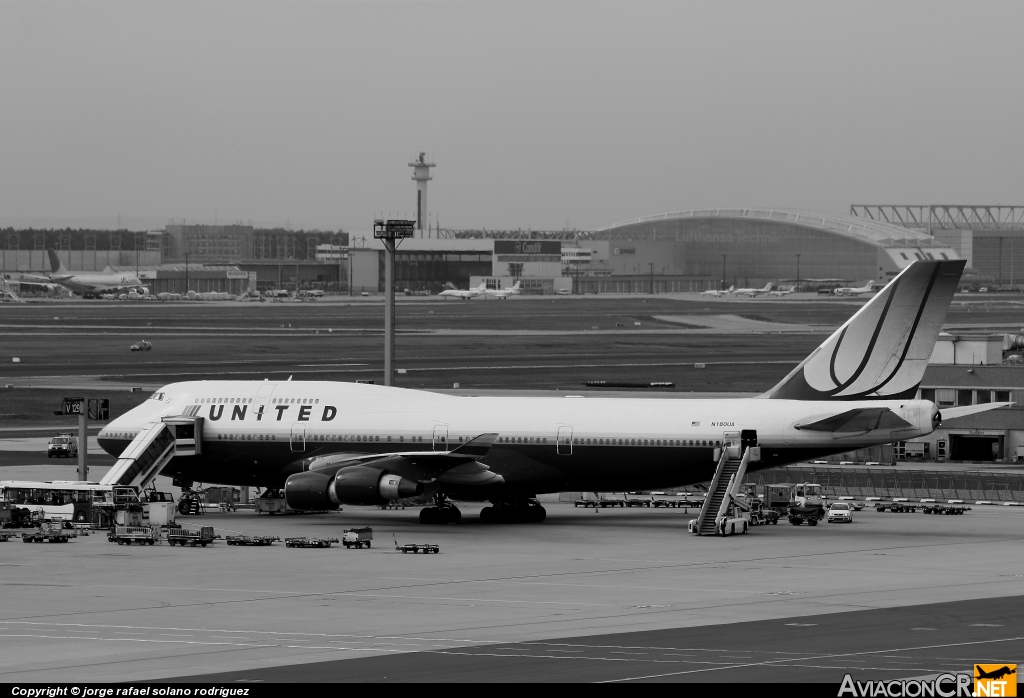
[(223, 400)]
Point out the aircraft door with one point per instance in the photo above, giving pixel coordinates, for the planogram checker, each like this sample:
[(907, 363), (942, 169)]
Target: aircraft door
[(563, 443), (441, 437), (263, 398), (731, 443), (298, 440)]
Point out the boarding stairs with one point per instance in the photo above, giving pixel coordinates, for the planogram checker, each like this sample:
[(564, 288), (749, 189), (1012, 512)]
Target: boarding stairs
[(9, 296), (153, 448), (721, 496)]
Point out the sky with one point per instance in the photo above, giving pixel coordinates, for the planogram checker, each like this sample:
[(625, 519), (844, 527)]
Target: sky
[(541, 115)]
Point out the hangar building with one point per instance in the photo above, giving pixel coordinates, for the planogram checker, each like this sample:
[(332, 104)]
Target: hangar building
[(751, 247)]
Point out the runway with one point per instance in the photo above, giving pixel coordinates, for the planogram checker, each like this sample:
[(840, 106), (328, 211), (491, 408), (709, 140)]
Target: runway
[(877, 644)]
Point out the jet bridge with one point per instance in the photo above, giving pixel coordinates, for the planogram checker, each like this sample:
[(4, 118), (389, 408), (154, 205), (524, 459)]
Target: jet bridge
[(153, 448)]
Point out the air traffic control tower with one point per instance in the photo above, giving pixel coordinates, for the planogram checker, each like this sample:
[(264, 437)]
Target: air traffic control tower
[(421, 174)]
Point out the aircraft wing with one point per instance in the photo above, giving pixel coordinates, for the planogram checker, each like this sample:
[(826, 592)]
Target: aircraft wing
[(37, 279), (458, 466), (857, 420)]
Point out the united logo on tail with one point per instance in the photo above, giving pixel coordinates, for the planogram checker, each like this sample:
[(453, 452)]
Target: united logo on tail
[(883, 350)]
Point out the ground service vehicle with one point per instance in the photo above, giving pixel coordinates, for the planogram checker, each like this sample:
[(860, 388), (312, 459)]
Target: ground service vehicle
[(142, 346), (49, 532), (357, 537), (805, 504), (64, 445)]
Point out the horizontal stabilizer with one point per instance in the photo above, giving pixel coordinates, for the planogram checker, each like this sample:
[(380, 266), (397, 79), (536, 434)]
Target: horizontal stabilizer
[(953, 412), (858, 420)]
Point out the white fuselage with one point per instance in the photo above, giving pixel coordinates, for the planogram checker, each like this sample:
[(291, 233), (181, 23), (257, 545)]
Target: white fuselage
[(95, 283), (629, 440)]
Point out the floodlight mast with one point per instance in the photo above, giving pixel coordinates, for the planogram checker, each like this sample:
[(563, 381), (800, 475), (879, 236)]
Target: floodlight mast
[(390, 232)]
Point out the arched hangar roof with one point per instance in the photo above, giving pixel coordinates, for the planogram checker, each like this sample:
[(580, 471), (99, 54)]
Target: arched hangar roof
[(860, 229)]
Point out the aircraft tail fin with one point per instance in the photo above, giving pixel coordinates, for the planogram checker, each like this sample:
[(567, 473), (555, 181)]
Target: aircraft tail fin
[(515, 286), (882, 351), (56, 266)]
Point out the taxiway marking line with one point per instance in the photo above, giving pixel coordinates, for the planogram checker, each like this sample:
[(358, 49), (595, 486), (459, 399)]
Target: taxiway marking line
[(777, 662), (254, 632)]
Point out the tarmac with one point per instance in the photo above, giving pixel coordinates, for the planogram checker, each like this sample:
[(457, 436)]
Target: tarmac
[(616, 590)]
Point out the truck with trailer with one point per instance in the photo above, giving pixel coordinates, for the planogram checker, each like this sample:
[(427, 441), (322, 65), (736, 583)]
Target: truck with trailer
[(48, 532), (357, 537)]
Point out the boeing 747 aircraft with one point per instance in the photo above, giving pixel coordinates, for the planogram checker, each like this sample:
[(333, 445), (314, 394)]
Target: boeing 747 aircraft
[(91, 283), (330, 444)]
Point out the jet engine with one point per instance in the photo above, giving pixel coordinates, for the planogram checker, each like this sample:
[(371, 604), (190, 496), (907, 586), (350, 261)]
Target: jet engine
[(358, 484)]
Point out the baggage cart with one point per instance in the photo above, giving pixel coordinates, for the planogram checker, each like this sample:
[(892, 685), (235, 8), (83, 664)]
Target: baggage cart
[(141, 535), (425, 548), (309, 542), (251, 540), (898, 507), (944, 509), (182, 536)]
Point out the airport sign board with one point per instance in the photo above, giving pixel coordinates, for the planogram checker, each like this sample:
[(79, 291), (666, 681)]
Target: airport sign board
[(393, 229), (528, 247), (73, 405)]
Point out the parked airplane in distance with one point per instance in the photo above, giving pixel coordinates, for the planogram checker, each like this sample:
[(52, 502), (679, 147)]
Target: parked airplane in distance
[(330, 444), (718, 294), (850, 291), (503, 293), (92, 283), (780, 292), (753, 291), (464, 295)]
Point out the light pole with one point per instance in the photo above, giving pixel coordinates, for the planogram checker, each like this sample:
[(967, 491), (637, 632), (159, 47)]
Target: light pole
[(651, 264), (390, 233), (723, 271), (798, 271)]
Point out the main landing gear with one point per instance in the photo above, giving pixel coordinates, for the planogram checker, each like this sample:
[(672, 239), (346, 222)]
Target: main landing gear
[(518, 510), (443, 512)]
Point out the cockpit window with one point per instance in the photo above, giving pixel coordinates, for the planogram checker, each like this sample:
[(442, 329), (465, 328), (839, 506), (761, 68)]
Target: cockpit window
[(156, 396)]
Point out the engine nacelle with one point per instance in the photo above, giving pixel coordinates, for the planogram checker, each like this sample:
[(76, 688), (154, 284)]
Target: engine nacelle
[(309, 491), (363, 485), (358, 484)]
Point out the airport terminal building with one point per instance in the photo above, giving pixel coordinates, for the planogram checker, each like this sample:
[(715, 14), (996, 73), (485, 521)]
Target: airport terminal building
[(685, 251)]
